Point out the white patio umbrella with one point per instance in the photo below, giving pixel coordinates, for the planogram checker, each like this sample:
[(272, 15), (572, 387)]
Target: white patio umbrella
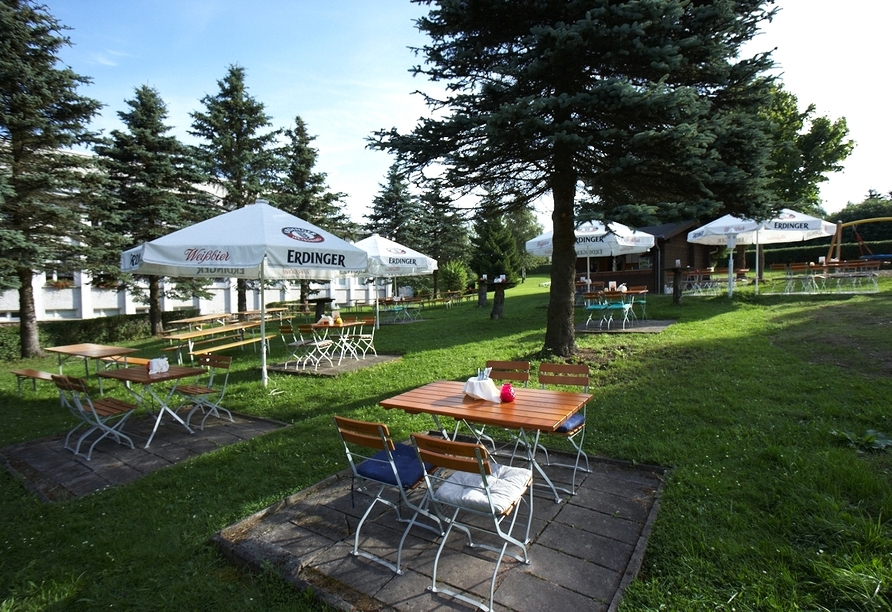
[(787, 226), (390, 259), (258, 241), (595, 239)]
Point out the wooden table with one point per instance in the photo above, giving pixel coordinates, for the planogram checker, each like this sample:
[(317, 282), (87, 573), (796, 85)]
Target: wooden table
[(142, 377), (278, 310), (87, 351), (220, 317), (532, 412)]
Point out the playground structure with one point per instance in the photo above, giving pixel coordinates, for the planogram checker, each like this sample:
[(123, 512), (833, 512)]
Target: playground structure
[(836, 241)]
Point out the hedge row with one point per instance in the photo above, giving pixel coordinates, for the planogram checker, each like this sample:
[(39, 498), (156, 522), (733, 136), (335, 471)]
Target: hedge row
[(813, 251), (101, 330)]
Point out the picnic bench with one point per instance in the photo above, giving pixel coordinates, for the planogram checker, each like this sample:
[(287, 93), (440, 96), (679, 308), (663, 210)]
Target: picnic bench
[(229, 345), (190, 341), (34, 375)]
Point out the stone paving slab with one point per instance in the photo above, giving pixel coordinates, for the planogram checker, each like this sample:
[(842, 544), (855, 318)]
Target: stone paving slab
[(584, 551), (55, 474), (328, 371), (641, 326)]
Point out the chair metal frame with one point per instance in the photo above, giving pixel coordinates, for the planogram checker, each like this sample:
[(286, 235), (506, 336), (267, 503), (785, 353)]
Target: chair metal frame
[(370, 451), (365, 341), (106, 414), (568, 374), (467, 468), (204, 395), (318, 348)]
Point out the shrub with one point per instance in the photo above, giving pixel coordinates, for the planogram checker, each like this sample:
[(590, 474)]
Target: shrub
[(453, 276)]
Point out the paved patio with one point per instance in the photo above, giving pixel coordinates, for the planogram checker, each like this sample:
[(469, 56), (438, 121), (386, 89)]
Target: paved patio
[(55, 474), (584, 551)]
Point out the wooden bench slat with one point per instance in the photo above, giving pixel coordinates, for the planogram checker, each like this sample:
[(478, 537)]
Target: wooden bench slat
[(223, 347)]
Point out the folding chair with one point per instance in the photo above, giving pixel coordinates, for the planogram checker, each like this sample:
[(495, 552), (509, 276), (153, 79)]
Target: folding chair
[(595, 305), (107, 415), (365, 340), (617, 302), (296, 343), (318, 348), (573, 429), (467, 483), (377, 461), (639, 298), (204, 395)]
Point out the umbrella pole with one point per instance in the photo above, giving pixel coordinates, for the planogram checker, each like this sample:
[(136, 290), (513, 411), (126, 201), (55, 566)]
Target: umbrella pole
[(730, 272), (758, 257), (263, 373)]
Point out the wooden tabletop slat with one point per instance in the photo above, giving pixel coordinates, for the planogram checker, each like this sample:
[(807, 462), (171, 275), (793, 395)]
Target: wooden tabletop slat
[(532, 409)]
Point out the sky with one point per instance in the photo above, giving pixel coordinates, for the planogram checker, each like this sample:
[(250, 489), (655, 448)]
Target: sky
[(343, 67)]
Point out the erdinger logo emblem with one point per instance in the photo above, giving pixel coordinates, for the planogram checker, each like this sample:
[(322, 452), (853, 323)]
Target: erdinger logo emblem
[(395, 250), (302, 235)]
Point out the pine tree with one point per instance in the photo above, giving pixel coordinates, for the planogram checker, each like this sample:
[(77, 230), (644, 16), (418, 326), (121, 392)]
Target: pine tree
[(494, 248), (441, 232), (237, 154), (301, 191), (646, 105), (45, 186), (394, 209), (153, 181)]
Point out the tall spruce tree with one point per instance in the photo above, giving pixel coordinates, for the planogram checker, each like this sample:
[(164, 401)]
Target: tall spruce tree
[(442, 231), (394, 209), (238, 153), (493, 246), (153, 180), (646, 105), (303, 192), (47, 190)]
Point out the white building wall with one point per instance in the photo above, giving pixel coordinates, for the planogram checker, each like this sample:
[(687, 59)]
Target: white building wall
[(84, 301)]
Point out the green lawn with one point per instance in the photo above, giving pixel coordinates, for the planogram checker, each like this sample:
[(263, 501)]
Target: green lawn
[(760, 405)]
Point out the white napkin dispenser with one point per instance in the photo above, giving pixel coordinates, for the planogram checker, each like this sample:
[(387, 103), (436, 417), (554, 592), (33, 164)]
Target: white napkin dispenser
[(482, 389), (157, 366)]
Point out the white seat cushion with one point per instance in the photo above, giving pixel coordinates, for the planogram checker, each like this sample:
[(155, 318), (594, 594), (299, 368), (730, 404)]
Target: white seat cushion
[(506, 484)]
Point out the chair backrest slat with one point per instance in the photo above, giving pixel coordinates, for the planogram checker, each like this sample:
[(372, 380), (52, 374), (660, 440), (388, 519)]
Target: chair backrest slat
[(575, 374), (364, 434), (509, 370), (460, 456)]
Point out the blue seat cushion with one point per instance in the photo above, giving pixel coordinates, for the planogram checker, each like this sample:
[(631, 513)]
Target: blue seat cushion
[(571, 424), (409, 468)]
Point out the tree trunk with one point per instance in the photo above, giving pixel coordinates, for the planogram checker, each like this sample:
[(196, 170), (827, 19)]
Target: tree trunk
[(28, 336), (157, 325), (242, 289), (498, 302), (481, 293), (560, 334)]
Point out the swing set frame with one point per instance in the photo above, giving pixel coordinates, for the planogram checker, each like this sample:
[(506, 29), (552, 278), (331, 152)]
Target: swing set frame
[(836, 241)]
